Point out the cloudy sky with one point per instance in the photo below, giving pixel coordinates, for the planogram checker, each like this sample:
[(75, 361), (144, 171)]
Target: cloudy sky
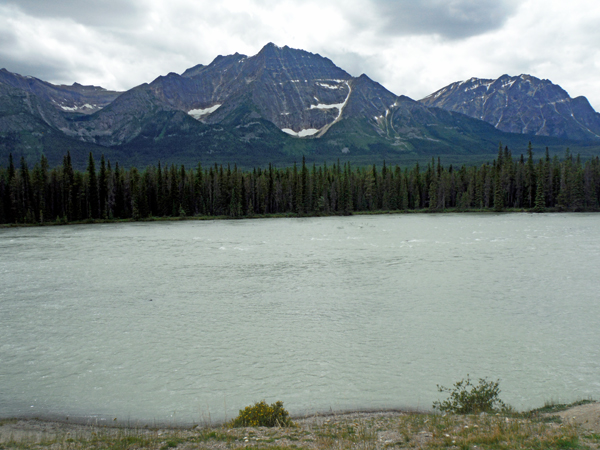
[(412, 47)]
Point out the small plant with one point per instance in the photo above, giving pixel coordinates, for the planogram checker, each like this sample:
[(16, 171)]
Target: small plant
[(467, 398), (263, 415)]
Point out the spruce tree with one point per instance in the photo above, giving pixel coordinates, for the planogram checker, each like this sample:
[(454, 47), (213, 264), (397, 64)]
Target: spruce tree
[(530, 182), (93, 200), (306, 206), (498, 190), (540, 198), (9, 203), (102, 189)]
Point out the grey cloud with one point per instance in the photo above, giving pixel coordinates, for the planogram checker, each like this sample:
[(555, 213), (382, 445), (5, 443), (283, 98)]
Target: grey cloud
[(354, 63), (89, 12), (7, 40), (43, 69), (454, 19)]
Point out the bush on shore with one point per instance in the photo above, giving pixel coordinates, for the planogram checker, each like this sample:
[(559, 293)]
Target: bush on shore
[(263, 415), (468, 398)]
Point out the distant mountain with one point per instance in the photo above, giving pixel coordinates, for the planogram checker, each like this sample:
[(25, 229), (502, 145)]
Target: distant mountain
[(522, 104), (21, 110), (74, 98), (30, 126), (379, 120), (299, 92), (302, 94), (275, 106)]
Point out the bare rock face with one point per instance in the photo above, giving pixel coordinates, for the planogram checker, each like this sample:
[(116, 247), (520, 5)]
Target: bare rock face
[(74, 98), (244, 100), (522, 104), (407, 125), (23, 111), (240, 105), (293, 89), (300, 92)]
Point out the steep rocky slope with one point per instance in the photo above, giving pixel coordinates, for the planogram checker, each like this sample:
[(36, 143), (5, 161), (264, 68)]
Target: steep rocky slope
[(74, 98), (297, 91), (277, 105), (521, 104), (302, 94)]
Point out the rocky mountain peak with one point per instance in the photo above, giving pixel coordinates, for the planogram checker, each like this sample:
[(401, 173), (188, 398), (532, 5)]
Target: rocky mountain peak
[(65, 98), (284, 63), (192, 71), (251, 103), (520, 104)]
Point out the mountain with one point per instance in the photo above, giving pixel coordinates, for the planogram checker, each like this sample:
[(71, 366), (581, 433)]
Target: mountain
[(522, 104), (276, 106), (297, 91), (377, 119), (30, 126), (303, 95), (74, 98)]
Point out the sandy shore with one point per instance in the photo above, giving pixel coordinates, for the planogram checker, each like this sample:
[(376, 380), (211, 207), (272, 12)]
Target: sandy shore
[(586, 417), (385, 429)]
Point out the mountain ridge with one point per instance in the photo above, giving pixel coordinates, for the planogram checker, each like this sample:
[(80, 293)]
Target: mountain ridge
[(277, 104), (521, 104), (73, 98)]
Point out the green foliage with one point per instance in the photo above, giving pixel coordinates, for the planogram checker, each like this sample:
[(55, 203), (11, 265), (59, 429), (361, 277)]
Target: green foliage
[(263, 415), (32, 196), (467, 398), (172, 443)]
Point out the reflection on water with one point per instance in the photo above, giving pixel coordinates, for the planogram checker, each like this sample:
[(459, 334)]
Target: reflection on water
[(178, 322)]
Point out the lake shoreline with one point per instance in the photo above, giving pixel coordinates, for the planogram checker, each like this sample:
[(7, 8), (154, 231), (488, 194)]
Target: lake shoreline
[(575, 424), (298, 216)]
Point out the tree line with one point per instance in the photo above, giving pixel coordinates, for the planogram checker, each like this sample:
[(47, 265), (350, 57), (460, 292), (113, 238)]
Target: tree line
[(43, 194)]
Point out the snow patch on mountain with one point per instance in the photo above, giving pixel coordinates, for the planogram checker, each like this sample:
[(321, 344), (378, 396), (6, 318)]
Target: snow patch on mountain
[(77, 108), (301, 133), (200, 113), (323, 106), (323, 130), (328, 86)]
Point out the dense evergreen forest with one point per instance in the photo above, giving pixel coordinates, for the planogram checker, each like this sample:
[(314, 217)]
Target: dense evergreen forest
[(62, 194)]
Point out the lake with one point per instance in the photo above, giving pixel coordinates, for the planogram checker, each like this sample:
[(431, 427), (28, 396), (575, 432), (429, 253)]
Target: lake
[(188, 322)]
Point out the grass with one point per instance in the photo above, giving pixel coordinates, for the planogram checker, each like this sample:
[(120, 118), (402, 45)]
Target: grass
[(502, 431), (554, 407)]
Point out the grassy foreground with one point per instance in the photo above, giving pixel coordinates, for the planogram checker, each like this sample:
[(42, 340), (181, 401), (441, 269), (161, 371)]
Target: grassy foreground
[(537, 429)]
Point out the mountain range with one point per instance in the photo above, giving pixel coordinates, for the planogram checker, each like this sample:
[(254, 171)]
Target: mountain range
[(521, 104), (277, 106)]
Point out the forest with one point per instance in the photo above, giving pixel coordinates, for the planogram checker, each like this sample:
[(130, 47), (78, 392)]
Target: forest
[(61, 194)]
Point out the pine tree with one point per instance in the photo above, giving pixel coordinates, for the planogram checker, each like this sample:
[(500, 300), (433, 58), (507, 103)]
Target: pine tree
[(25, 206), (8, 197), (530, 182), (304, 186), (160, 192), (199, 190), (68, 199), (540, 198), (102, 189), (41, 189), (498, 190), (93, 200)]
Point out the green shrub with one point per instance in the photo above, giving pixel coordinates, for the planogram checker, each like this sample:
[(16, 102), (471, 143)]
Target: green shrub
[(263, 415), (467, 398)]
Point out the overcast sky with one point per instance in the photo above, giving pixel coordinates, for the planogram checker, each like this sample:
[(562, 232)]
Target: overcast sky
[(412, 47)]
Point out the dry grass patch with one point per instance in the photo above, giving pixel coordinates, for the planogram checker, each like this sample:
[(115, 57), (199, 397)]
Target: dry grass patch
[(382, 430)]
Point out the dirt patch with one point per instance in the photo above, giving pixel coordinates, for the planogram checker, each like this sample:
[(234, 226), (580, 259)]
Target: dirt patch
[(584, 416)]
